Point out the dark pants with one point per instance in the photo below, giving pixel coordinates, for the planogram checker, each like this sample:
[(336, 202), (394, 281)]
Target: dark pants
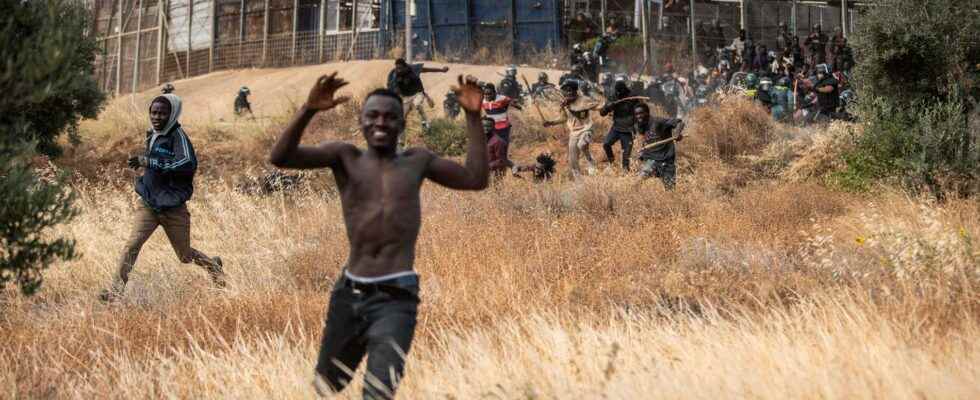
[(373, 319), (665, 170), (625, 138), (503, 133)]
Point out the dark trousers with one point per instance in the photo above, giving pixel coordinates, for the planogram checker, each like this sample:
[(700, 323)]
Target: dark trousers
[(666, 170), (373, 319), (503, 133), (625, 138)]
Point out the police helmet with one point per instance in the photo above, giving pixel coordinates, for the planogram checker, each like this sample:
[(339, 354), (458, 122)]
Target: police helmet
[(751, 80), (765, 83)]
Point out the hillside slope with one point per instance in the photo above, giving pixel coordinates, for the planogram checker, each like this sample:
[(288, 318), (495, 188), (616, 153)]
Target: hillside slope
[(209, 98)]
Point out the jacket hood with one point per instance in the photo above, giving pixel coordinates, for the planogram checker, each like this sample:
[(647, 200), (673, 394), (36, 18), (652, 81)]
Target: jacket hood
[(175, 108)]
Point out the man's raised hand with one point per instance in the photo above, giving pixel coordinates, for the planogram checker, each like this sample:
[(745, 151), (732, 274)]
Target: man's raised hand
[(469, 94), (322, 95)]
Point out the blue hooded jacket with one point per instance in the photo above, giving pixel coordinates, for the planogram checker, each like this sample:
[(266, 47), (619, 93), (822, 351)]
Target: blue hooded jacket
[(168, 179)]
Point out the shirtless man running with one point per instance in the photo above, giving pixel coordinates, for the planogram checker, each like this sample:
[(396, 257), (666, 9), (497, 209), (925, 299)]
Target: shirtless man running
[(374, 303)]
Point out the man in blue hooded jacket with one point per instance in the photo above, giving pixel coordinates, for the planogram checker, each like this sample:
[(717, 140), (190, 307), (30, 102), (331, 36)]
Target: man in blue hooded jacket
[(169, 165)]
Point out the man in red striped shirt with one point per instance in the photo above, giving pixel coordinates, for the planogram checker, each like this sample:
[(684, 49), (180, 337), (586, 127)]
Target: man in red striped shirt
[(495, 106)]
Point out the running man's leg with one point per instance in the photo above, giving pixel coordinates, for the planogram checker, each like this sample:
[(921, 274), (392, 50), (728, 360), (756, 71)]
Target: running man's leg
[(584, 140), (389, 339), (419, 101), (573, 153), (177, 224), (143, 226), (504, 134), (341, 346), (408, 105), (626, 140), (607, 145)]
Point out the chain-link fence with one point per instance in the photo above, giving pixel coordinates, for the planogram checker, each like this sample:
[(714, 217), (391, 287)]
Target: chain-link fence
[(144, 47), (148, 42)]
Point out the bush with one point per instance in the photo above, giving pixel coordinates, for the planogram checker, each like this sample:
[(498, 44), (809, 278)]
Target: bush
[(445, 137), (30, 206), (48, 83), (916, 74)]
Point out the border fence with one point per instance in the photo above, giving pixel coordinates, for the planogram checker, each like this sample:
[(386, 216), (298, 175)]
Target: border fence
[(148, 42)]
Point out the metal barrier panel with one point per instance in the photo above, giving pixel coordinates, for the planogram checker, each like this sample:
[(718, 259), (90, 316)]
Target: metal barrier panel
[(142, 48)]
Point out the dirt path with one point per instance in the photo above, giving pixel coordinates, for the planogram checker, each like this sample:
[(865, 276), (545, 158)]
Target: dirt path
[(209, 98)]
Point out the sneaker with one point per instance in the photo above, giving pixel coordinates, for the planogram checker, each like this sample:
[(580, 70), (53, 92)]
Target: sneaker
[(217, 273)]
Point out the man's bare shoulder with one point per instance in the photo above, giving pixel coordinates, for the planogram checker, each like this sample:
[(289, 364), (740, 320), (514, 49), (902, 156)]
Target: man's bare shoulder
[(419, 153), (340, 149)]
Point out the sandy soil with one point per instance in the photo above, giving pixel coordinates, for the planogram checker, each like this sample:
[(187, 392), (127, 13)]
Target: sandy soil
[(210, 97)]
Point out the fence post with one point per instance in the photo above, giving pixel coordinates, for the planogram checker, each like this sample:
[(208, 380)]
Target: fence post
[(408, 31), (190, 27), (694, 43), (353, 36), (843, 18), (139, 36), (432, 31), (743, 17), (295, 18), (122, 28), (265, 31), (514, 44), (792, 20), (602, 14), (320, 31), (161, 32), (660, 16), (214, 34), (646, 33), (241, 33)]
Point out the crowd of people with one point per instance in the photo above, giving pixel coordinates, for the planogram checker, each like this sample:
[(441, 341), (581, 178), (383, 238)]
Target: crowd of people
[(799, 80), (578, 100), (802, 81)]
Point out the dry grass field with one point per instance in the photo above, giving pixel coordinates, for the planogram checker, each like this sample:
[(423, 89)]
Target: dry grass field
[(754, 279)]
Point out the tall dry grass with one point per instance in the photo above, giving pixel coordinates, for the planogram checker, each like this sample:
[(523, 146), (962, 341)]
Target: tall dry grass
[(600, 288)]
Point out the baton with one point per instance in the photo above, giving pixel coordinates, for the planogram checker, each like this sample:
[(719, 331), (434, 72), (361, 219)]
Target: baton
[(659, 142), (536, 107), (629, 98)]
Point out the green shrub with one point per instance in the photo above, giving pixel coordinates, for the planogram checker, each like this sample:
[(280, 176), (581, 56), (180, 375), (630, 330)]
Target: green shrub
[(48, 85), (916, 72), (445, 137)]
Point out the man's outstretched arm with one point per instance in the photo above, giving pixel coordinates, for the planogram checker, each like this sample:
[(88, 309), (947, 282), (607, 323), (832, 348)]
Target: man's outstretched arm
[(287, 153), (443, 69), (476, 174)]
